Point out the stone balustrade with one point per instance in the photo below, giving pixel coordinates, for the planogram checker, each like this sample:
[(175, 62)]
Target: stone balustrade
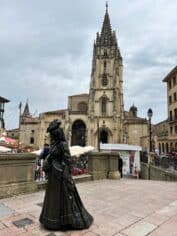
[(17, 173), (102, 165)]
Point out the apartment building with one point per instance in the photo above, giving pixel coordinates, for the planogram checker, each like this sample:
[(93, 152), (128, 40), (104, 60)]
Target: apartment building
[(171, 80)]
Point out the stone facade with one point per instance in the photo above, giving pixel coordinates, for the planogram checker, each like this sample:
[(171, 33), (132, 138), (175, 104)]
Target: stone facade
[(33, 129), (17, 174), (171, 80), (13, 133), (161, 136), (166, 131), (2, 105), (98, 116), (135, 128)]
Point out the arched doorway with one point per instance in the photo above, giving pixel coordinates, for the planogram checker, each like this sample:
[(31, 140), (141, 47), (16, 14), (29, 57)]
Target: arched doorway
[(160, 148), (167, 148), (103, 136), (163, 147), (78, 133)]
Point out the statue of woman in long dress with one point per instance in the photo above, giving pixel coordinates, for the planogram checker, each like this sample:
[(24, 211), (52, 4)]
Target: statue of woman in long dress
[(62, 208)]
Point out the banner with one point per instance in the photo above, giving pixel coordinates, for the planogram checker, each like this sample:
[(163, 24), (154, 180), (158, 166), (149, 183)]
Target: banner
[(131, 162)]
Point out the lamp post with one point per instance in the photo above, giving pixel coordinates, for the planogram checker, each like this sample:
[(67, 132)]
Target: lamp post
[(149, 113), (98, 135), (19, 127)]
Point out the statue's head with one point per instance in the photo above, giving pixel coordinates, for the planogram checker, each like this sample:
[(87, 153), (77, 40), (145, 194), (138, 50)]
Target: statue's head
[(56, 132)]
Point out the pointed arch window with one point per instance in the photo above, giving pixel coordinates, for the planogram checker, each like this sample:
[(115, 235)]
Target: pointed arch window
[(105, 64), (104, 80), (104, 106), (31, 140), (105, 53)]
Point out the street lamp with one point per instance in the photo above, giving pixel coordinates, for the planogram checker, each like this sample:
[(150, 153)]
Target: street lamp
[(98, 135), (149, 113)]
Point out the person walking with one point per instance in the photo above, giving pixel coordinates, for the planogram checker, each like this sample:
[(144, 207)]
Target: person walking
[(120, 166), (42, 158)]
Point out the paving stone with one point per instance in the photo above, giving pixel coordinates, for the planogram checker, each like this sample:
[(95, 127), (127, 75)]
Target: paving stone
[(169, 228), (2, 226), (156, 219), (127, 219), (139, 229), (111, 203), (119, 234), (22, 222), (12, 231), (169, 210), (89, 233), (40, 204), (5, 211), (51, 234), (40, 231)]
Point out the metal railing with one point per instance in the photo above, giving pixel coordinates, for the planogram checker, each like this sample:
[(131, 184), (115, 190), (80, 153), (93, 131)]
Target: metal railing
[(165, 162)]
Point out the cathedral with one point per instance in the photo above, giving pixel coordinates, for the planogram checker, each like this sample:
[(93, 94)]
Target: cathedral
[(97, 116)]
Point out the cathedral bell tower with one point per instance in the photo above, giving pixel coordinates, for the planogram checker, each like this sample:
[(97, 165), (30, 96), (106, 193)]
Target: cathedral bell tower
[(106, 107)]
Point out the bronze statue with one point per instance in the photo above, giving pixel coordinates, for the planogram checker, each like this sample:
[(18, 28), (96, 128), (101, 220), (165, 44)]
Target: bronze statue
[(62, 208)]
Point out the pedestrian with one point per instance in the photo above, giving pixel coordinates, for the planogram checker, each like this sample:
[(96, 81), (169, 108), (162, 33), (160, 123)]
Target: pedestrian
[(120, 166), (62, 207), (37, 169), (42, 157)]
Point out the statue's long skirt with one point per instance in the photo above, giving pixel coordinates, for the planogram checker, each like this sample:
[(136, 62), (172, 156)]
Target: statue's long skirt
[(62, 207)]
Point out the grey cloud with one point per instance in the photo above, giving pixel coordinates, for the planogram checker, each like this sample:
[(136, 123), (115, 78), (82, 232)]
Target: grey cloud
[(46, 48)]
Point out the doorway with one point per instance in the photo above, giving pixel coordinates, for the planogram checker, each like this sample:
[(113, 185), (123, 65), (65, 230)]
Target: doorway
[(103, 136), (78, 133)]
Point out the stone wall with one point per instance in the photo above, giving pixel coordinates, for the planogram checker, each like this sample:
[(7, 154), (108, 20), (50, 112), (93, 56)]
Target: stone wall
[(102, 165), (17, 171), (17, 174), (144, 174), (156, 173)]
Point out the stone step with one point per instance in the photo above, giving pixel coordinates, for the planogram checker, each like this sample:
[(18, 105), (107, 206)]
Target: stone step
[(82, 178), (77, 179)]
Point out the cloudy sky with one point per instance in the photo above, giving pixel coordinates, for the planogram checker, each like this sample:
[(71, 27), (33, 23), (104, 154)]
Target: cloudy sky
[(46, 51)]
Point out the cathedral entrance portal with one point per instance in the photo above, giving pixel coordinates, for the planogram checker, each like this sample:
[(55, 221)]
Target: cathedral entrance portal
[(103, 136), (78, 133)]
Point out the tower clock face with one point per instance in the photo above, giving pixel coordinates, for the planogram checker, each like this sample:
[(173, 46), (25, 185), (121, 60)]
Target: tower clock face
[(104, 80)]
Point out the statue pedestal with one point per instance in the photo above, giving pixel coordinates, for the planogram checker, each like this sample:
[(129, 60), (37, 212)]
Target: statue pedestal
[(114, 175), (102, 165), (113, 166)]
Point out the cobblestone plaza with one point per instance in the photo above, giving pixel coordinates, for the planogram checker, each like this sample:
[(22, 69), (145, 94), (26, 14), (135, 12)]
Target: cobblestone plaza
[(128, 207)]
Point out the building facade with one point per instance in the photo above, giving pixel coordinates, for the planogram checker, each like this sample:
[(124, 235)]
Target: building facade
[(171, 81), (161, 136), (2, 108), (98, 116)]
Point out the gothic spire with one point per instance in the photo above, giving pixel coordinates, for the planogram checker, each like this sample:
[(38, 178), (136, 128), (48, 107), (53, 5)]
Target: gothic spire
[(106, 6), (26, 111), (106, 32)]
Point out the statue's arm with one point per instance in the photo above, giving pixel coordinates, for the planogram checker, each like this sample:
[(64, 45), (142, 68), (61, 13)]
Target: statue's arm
[(66, 154)]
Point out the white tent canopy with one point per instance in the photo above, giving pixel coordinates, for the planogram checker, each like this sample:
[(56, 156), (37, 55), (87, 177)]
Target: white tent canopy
[(78, 150), (4, 149), (37, 152), (74, 150), (117, 146)]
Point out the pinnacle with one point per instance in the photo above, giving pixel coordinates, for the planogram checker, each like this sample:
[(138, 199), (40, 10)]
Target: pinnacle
[(26, 111)]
